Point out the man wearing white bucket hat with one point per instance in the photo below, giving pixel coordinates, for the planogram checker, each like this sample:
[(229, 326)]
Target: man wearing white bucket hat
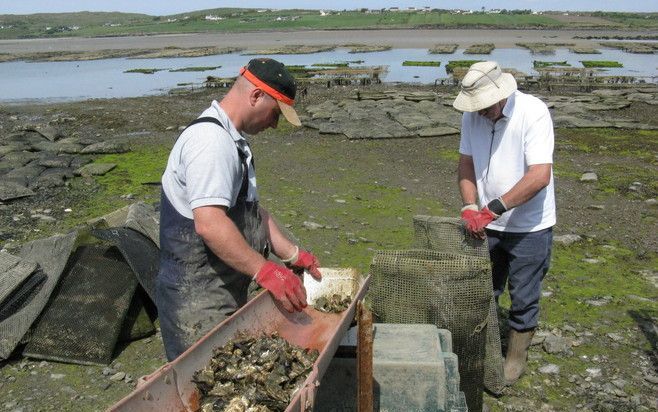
[(505, 166)]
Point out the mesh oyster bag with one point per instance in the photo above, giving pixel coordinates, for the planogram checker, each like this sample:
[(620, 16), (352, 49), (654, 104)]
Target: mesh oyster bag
[(444, 289), (446, 234)]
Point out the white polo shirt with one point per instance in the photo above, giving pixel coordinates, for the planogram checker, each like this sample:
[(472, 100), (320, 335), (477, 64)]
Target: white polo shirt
[(204, 167), (502, 152)]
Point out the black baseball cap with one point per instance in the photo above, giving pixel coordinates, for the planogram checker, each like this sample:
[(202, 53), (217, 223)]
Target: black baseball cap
[(274, 79)]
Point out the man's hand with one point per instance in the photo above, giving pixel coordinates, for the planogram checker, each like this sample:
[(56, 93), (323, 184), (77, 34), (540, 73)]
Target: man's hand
[(476, 221), (307, 261), (283, 285)]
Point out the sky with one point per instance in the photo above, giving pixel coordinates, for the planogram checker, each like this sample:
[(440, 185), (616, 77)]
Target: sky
[(167, 7)]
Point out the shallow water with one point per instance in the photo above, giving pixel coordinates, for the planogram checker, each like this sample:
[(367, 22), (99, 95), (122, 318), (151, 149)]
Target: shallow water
[(80, 80)]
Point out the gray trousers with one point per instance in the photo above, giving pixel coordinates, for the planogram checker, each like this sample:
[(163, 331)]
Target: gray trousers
[(520, 261)]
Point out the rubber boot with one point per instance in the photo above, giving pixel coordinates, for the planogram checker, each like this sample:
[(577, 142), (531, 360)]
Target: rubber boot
[(517, 354)]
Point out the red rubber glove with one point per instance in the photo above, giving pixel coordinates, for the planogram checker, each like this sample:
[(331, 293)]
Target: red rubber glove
[(307, 261), (283, 285), (479, 220), (476, 220)]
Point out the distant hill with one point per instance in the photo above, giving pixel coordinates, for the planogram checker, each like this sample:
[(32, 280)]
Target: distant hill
[(92, 24)]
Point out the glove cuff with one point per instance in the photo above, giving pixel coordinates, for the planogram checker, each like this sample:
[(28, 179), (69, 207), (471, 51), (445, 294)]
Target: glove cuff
[(293, 258), (497, 207), (470, 206)]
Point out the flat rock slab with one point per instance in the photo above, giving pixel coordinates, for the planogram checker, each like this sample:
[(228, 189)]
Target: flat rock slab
[(105, 148), (55, 161), (95, 169), (49, 132), (578, 122), (11, 190), (385, 115), (437, 131)]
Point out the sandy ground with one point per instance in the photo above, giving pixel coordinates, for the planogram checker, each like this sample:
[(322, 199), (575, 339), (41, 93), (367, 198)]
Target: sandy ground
[(257, 40)]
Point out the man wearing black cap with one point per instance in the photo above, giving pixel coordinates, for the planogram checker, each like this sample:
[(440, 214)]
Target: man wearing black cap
[(214, 236)]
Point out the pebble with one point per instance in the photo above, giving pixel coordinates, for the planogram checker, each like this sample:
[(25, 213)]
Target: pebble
[(56, 376), (119, 376), (569, 328), (340, 201), (593, 372), (615, 336), (555, 344), (589, 177), (108, 371), (651, 202), (619, 383), (311, 225), (567, 240), (591, 261), (43, 218), (550, 369), (602, 301), (651, 379)]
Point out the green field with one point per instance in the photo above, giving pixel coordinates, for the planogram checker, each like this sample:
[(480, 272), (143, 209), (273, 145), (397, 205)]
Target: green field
[(239, 20)]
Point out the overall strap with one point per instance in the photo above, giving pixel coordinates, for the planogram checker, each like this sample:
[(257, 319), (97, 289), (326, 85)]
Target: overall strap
[(244, 187)]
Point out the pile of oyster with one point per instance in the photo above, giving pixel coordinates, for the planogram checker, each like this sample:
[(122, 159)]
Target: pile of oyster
[(253, 375), (332, 304)]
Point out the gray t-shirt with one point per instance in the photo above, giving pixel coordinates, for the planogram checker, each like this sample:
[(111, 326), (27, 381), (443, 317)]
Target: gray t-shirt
[(204, 167)]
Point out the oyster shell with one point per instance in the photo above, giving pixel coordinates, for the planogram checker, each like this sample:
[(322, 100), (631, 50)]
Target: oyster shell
[(332, 303), (253, 375)]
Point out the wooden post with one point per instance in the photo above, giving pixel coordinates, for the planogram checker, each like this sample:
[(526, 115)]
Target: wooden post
[(364, 379)]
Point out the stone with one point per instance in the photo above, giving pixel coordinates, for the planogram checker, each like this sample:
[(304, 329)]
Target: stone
[(616, 337), (105, 148), (57, 376), (555, 344), (619, 383), (592, 261), (49, 132), (593, 372), (589, 177), (108, 371), (11, 190), (43, 218), (567, 240), (312, 225), (651, 379), (94, 169), (437, 131), (550, 369), (119, 376), (600, 301)]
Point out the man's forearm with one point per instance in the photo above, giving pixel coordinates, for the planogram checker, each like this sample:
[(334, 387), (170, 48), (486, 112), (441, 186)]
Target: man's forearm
[(224, 239), (466, 180), (536, 178), (281, 245)]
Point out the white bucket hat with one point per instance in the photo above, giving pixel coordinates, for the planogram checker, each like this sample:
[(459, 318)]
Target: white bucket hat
[(484, 85)]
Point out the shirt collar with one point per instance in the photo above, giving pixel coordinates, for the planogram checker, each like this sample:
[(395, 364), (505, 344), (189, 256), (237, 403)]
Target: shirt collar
[(509, 105), (226, 121)]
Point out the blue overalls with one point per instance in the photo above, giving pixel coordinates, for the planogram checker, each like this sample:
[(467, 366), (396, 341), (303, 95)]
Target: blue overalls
[(195, 290)]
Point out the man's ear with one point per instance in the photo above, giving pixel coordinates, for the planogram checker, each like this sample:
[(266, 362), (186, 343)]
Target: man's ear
[(254, 95)]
